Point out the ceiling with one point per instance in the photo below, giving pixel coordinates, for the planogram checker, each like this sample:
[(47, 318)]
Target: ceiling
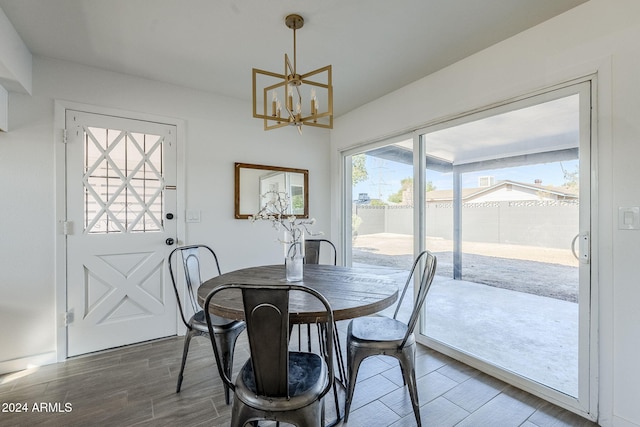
[(374, 46)]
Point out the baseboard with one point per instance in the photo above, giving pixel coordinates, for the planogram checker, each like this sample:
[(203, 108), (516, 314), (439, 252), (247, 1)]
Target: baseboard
[(22, 363)]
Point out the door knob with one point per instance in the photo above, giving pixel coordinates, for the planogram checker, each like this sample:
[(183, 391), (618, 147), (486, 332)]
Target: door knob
[(169, 215), (169, 241)]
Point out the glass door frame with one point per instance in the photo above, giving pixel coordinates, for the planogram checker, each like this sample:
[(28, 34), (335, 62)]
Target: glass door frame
[(586, 402)]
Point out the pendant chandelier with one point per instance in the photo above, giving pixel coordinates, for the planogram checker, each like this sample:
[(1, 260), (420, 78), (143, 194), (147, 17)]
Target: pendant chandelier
[(293, 99)]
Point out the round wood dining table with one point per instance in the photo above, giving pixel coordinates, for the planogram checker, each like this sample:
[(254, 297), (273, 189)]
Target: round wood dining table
[(351, 291)]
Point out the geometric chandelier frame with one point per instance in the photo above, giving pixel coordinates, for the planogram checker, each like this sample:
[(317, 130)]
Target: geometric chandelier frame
[(286, 92)]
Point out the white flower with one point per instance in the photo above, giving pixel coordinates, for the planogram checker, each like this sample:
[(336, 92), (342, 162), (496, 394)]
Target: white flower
[(276, 210)]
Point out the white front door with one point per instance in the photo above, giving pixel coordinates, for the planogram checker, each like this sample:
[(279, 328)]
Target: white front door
[(121, 210)]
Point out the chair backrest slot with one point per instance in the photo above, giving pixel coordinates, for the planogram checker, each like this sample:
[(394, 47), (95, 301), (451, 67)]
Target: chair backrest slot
[(191, 265)]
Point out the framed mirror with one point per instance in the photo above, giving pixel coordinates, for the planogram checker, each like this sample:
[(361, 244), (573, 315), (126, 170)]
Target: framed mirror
[(252, 181)]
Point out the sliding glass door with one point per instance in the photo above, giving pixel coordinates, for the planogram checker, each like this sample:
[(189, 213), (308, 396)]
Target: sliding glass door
[(507, 212), (502, 197)]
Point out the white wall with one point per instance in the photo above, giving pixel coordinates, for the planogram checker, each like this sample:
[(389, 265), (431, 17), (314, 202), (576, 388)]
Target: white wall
[(219, 131), (600, 36)]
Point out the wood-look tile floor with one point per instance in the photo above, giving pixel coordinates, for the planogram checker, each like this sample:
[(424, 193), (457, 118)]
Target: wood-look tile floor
[(135, 386)]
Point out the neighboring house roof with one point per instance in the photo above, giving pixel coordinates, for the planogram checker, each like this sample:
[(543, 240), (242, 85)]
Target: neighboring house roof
[(469, 194)]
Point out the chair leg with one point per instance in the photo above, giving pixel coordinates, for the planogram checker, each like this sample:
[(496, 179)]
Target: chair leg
[(407, 365), (187, 341), (322, 331), (353, 364), (300, 336), (310, 416), (242, 415), (226, 343), (237, 414), (338, 350), (404, 381)]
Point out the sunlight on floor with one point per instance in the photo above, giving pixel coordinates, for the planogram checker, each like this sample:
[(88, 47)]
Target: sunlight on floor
[(6, 379)]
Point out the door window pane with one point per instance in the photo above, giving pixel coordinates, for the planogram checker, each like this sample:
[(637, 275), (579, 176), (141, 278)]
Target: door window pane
[(123, 181)]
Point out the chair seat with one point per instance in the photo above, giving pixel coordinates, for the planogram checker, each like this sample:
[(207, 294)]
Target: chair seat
[(377, 331), (199, 323), (307, 377)]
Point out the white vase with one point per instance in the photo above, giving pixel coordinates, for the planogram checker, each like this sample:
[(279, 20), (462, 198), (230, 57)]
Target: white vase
[(294, 255)]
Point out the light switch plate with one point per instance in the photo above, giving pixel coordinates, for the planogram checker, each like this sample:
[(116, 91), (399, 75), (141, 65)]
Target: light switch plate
[(629, 218), (193, 216)]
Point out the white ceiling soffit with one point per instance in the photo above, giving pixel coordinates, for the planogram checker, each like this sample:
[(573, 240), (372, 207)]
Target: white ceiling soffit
[(549, 126), (15, 58), (375, 46)]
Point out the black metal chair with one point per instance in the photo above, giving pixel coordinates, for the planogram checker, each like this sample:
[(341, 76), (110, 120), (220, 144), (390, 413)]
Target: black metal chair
[(369, 336), (225, 331), (312, 249), (275, 383)]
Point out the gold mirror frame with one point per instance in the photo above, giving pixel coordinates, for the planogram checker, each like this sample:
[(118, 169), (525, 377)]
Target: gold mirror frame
[(251, 181)]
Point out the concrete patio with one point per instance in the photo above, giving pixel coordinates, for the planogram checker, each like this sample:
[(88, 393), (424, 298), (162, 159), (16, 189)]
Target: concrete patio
[(534, 336)]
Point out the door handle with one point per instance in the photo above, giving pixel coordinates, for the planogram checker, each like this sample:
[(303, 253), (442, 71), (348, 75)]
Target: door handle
[(170, 241), (584, 244)]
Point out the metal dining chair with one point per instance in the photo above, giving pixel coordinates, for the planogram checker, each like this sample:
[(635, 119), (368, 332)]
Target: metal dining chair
[(275, 383), (370, 336), (312, 250), (225, 331)]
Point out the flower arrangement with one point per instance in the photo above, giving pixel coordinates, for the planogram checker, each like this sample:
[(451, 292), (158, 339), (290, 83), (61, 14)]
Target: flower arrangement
[(276, 210)]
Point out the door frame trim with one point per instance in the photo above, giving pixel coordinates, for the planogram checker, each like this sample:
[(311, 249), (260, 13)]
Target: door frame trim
[(60, 198)]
